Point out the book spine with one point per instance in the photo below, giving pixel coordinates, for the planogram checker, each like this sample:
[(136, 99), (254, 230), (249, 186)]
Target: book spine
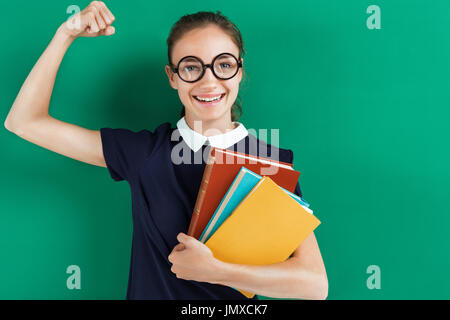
[(201, 195), (252, 157)]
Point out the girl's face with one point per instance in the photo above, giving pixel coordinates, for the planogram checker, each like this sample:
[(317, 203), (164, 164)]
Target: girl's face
[(205, 43)]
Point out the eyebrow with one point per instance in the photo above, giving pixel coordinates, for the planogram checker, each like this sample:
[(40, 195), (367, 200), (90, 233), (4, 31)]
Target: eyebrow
[(193, 59), (189, 59)]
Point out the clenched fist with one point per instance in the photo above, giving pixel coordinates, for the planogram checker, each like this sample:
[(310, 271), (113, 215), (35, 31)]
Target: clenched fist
[(95, 20)]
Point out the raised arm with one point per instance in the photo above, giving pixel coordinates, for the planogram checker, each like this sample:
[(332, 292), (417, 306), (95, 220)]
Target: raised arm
[(29, 117)]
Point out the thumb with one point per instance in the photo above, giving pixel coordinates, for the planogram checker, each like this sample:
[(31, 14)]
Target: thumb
[(108, 31), (184, 239)]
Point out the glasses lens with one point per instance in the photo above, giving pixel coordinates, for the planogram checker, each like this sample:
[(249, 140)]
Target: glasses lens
[(190, 69), (225, 66)]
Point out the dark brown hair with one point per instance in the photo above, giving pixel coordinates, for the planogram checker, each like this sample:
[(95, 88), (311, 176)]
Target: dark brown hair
[(201, 19)]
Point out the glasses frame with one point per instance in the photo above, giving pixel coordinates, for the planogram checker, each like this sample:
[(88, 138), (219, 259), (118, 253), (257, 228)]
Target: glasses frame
[(205, 66)]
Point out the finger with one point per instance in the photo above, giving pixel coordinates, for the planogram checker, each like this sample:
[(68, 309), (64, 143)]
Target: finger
[(172, 256), (180, 237), (106, 14), (108, 31), (91, 22), (108, 11), (179, 247), (100, 22)]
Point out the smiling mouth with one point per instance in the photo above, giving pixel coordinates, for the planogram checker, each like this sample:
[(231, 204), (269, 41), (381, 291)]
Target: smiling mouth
[(213, 100)]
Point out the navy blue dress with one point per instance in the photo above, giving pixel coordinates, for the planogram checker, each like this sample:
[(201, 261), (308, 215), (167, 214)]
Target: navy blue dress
[(163, 198)]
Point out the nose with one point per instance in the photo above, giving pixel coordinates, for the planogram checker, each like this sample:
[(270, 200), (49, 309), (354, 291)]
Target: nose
[(208, 76)]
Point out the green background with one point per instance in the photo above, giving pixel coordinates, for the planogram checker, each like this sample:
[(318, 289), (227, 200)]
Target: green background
[(365, 111)]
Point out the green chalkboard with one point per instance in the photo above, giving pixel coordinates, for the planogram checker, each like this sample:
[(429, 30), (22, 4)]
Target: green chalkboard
[(362, 100)]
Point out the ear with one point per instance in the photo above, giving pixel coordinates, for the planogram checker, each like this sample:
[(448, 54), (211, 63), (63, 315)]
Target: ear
[(171, 75), (241, 71)]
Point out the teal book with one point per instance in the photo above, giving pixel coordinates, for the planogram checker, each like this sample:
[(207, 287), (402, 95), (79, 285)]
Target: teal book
[(242, 184)]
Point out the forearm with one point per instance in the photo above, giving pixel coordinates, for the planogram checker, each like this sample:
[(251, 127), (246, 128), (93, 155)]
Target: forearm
[(34, 96), (282, 280)]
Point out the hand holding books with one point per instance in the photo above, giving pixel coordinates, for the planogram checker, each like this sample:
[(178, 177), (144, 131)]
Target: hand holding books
[(257, 222)]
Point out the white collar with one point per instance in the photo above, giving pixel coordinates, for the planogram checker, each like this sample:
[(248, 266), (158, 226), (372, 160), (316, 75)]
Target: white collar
[(196, 140)]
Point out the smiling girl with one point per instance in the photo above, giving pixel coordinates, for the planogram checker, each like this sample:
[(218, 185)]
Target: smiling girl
[(205, 53)]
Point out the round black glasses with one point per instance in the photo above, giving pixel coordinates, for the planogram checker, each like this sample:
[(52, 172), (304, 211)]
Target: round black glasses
[(191, 69)]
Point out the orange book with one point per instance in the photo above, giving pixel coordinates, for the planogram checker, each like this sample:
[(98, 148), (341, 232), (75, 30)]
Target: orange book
[(221, 168), (265, 228)]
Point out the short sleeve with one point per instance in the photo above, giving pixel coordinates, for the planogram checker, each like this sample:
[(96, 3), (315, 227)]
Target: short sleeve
[(125, 150)]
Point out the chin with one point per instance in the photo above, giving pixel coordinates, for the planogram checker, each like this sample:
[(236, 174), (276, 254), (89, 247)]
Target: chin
[(210, 115)]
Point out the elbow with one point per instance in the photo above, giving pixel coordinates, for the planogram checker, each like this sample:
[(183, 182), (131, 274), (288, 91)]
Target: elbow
[(318, 292), (10, 122), (13, 127), (322, 290), (8, 125), (317, 288)]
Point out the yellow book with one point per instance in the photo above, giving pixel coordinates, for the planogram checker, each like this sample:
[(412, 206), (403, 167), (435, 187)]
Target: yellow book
[(265, 228)]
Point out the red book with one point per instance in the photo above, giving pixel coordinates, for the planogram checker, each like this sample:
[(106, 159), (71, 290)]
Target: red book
[(221, 168)]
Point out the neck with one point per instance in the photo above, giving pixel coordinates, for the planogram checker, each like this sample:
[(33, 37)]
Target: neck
[(209, 128)]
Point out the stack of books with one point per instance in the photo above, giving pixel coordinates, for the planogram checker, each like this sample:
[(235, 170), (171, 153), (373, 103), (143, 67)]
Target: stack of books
[(246, 217)]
